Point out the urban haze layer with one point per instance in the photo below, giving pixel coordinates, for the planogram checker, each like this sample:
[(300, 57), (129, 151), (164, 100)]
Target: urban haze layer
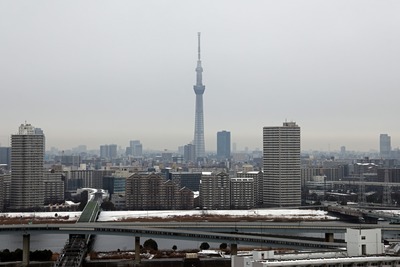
[(278, 176)]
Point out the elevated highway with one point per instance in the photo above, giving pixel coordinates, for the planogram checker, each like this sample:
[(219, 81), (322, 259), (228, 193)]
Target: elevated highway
[(76, 247), (186, 231)]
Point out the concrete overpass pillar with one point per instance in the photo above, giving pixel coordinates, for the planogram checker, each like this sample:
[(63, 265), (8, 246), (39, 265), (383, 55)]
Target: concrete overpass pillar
[(25, 249), (329, 237), (137, 250), (233, 249)]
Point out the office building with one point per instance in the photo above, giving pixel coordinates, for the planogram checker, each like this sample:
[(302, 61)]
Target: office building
[(108, 151), (223, 145), (189, 153), (281, 163), (199, 116), (27, 157), (75, 179), (385, 145), (115, 185), (5, 157), (68, 160), (189, 180), (136, 148)]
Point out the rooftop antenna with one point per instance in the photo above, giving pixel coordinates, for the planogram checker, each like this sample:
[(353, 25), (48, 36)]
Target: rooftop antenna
[(198, 40)]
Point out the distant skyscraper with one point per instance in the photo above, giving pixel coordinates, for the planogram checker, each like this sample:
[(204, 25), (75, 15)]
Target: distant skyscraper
[(5, 156), (136, 148), (27, 156), (112, 150), (189, 153), (108, 151), (199, 117), (103, 151), (281, 163), (224, 145), (385, 145)]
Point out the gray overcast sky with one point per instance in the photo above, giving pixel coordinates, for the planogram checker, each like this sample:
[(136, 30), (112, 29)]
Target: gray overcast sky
[(97, 72)]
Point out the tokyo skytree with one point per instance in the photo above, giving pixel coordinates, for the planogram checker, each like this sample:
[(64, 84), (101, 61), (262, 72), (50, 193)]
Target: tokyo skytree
[(199, 117)]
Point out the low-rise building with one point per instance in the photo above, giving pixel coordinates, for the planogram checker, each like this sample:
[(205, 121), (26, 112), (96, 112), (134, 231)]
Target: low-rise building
[(364, 248)]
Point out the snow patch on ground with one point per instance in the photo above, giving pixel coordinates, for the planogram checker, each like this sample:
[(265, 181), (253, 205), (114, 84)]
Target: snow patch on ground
[(72, 215), (106, 216)]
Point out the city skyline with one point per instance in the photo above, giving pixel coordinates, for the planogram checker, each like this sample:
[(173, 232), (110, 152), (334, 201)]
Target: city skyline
[(96, 73)]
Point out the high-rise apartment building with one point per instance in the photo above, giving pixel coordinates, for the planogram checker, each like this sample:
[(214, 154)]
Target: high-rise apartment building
[(258, 184), (53, 187), (151, 191), (199, 116), (385, 145), (242, 193), (27, 157), (223, 145), (215, 191), (281, 163), (2, 191)]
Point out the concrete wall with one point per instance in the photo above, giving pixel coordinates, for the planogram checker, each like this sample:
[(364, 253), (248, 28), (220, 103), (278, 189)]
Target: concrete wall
[(364, 242)]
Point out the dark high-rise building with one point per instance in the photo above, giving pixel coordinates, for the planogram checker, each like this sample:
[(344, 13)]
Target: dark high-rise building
[(199, 116), (189, 180), (281, 163), (384, 145), (5, 156), (224, 145), (27, 158), (2, 191)]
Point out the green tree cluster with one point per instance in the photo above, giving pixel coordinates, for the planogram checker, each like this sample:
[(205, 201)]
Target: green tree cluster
[(150, 244)]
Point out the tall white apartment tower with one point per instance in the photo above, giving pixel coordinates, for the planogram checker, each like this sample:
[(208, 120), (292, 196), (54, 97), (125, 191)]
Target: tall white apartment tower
[(281, 163), (27, 156)]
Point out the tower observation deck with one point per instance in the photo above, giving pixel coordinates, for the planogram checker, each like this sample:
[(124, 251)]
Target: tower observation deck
[(199, 116)]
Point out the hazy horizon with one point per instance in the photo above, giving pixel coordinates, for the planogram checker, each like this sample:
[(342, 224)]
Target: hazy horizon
[(96, 72)]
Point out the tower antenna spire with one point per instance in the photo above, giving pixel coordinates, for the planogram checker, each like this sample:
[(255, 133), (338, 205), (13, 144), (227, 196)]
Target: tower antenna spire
[(198, 40)]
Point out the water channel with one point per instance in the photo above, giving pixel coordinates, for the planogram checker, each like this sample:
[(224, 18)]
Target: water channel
[(55, 242)]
